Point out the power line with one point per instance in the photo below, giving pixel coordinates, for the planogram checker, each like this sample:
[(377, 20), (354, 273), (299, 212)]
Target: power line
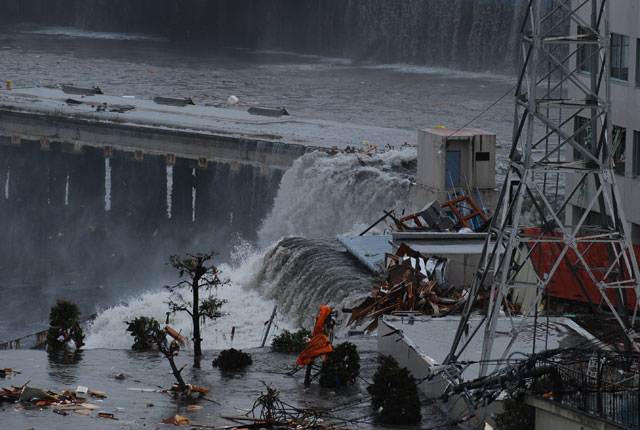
[(485, 110)]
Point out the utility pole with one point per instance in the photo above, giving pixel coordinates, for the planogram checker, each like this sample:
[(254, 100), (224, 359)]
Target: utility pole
[(562, 138)]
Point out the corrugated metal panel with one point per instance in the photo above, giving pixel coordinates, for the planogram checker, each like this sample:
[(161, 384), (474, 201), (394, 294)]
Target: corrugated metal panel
[(564, 284)]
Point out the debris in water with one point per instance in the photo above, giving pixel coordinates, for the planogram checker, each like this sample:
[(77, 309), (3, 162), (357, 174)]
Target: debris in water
[(108, 415), (8, 372), (177, 420), (272, 413), (274, 112)]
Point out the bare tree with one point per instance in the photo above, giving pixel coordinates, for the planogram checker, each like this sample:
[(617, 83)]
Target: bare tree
[(201, 275)]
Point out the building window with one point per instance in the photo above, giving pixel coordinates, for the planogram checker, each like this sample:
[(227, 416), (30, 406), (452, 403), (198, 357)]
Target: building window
[(637, 62), (618, 149), (636, 154), (584, 54), (620, 57), (582, 135)]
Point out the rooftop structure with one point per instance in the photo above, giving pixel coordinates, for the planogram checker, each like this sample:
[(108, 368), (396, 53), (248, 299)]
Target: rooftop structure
[(455, 162)]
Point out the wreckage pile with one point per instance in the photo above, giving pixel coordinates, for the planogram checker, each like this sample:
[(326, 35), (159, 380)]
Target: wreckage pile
[(458, 215), (414, 284)]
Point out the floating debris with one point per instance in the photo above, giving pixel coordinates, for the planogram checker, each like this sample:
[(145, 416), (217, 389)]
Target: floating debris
[(171, 101), (8, 372), (273, 112), (270, 412)]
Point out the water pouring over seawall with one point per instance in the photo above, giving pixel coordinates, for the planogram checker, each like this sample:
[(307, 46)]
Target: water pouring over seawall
[(302, 274), (297, 274), (323, 195)]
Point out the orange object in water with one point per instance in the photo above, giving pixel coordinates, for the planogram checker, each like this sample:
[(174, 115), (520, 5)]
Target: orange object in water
[(319, 343), (177, 336), (325, 311)]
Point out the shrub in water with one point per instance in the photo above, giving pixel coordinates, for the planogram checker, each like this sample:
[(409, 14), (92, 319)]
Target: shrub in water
[(290, 342), (342, 367), (64, 326), (144, 331), (394, 393), (232, 359)]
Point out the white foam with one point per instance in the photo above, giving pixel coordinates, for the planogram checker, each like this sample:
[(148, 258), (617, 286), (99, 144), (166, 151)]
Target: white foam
[(324, 195), (448, 72), (246, 310), (76, 33)]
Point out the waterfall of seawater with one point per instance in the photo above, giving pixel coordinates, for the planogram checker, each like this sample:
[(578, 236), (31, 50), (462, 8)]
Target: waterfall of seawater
[(320, 196)]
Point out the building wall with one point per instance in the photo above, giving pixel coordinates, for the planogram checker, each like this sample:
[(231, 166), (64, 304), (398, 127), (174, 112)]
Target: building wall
[(625, 106), (551, 415)]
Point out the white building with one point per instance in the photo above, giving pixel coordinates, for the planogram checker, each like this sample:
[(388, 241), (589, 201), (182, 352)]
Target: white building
[(625, 106)]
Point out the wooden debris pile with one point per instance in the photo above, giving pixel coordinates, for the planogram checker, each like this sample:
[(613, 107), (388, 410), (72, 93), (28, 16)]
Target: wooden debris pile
[(414, 284)]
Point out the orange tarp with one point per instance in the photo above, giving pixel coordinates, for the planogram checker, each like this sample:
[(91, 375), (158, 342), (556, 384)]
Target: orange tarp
[(325, 311), (319, 343)]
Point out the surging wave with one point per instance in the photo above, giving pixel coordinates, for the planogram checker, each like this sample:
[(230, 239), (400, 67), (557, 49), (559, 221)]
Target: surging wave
[(319, 197), (324, 195), (246, 310)]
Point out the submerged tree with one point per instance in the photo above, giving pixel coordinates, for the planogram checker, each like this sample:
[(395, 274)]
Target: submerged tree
[(202, 276), (64, 327), (144, 331), (342, 366), (147, 332)]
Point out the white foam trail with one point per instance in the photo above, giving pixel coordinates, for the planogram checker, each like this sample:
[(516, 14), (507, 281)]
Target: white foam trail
[(73, 32), (324, 195), (246, 310)]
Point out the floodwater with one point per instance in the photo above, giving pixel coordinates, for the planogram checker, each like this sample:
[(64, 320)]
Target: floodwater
[(232, 393), (398, 96)]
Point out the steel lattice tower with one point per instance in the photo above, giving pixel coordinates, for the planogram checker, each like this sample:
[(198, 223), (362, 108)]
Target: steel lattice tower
[(557, 43)]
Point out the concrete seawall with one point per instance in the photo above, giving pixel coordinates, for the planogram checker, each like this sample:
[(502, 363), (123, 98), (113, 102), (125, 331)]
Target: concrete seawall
[(192, 144), (203, 133)]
